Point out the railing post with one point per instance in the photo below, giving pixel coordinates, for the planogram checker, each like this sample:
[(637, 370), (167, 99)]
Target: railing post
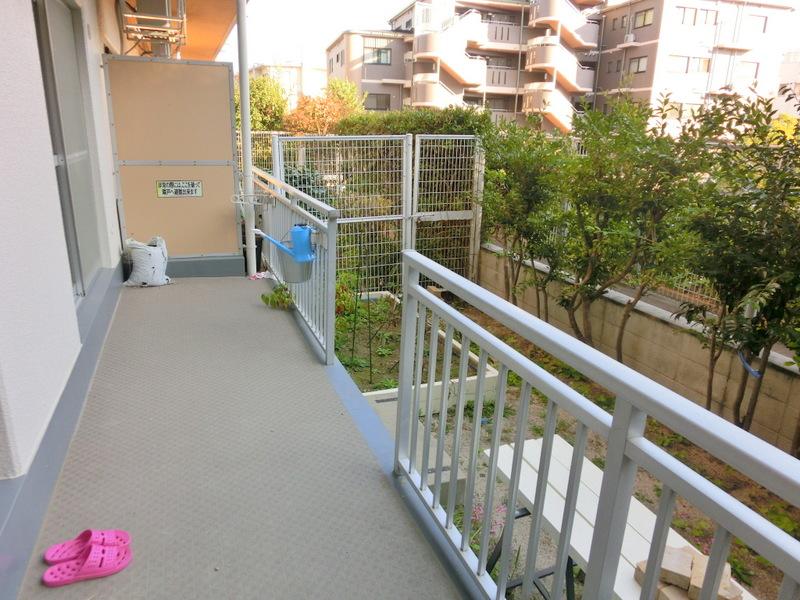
[(615, 498), (407, 186), (412, 225), (407, 341), (330, 292), (473, 270)]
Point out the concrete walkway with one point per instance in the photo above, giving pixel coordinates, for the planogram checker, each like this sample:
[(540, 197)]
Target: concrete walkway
[(213, 435)]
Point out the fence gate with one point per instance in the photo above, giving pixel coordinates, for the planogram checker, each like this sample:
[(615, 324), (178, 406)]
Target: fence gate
[(392, 194), (445, 214)]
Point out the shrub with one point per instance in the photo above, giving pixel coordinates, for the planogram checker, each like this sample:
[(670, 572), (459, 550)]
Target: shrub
[(453, 120)]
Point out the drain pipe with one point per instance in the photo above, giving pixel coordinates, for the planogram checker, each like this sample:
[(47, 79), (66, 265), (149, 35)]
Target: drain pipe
[(247, 148)]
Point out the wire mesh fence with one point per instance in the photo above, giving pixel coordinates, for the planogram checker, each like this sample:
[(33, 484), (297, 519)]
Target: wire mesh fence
[(690, 288), (261, 149), (448, 178), (366, 178)]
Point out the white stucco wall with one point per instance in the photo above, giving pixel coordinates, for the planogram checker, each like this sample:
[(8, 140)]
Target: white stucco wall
[(39, 338)]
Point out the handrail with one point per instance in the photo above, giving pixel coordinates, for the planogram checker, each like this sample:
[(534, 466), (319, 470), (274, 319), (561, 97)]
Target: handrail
[(637, 398), (763, 462), (315, 295), (326, 209)]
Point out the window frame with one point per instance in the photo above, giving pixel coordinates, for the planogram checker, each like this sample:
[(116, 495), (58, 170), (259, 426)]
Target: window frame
[(381, 95), (377, 51), (647, 12), (638, 60)]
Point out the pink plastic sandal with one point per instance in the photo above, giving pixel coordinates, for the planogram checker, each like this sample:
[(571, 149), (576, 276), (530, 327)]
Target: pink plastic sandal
[(71, 549), (93, 563)]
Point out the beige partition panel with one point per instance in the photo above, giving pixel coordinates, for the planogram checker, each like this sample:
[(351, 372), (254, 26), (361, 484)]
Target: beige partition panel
[(174, 149)]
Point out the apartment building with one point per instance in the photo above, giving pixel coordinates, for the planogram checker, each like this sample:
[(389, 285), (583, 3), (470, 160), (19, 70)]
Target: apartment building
[(789, 78), (296, 79), (691, 50), (441, 53), (552, 57)]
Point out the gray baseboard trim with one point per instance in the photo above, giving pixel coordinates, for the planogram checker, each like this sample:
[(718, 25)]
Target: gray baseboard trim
[(381, 442), (24, 500), (206, 266)]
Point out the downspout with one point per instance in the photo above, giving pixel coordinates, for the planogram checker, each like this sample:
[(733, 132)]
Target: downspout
[(247, 148), (599, 58), (519, 60)]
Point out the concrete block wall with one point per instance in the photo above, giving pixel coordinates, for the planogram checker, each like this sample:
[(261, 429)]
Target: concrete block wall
[(673, 356)]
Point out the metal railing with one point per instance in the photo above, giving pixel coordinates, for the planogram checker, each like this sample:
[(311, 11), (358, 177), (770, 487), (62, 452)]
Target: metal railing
[(314, 299), (637, 399)]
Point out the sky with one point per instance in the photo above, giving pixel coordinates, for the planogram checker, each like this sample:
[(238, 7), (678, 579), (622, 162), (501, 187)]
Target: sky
[(294, 31)]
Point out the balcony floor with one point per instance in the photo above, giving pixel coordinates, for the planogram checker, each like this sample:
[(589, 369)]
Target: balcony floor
[(213, 434)]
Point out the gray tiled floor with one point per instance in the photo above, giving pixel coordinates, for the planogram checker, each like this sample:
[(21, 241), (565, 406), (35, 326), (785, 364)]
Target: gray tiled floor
[(212, 434)]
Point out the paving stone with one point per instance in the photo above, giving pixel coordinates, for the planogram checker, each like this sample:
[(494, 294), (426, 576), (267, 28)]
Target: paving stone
[(676, 568), (672, 592), (727, 589)]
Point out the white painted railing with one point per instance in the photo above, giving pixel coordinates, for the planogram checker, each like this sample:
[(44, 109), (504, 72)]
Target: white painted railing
[(314, 299), (637, 398)]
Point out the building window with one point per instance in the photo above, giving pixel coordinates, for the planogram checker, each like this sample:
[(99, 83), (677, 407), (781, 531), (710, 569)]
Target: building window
[(619, 65), (408, 24), (677, 64), (693, 16), (377, 51), (614, 24), (687, 15), (610, 66), (707, 17), (377, 102), (681, 110), (746, 72), (498, 62), (330, 65), (624, 22), (637, 65), (699, 65), (755, 24), (643, 18), (688, 64)]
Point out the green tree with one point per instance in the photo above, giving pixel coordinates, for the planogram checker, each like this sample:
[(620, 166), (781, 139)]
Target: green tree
[(268, 104), (523, 203), (748, 221), (625, 191), (346, 93), (321, 114)]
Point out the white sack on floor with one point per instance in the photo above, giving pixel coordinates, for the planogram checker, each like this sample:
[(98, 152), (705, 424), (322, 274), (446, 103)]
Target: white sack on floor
[(149, 262)]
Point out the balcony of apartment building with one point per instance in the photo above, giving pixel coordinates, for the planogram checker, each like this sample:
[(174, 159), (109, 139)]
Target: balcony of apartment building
[(549, 100), (498, 31), (566, 20), (447, 49), (244, 461), (561, 65)]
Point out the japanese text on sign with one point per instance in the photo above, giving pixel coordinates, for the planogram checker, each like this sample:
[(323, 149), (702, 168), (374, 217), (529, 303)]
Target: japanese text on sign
[(179, 188)]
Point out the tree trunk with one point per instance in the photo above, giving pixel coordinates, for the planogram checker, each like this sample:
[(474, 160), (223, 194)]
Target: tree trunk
[(737, 404), (587, 321), (546, 304), (506, 278), (763, 363), (795, 450), (713, 357), (538, 300), (626, 315), (573, 321)]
